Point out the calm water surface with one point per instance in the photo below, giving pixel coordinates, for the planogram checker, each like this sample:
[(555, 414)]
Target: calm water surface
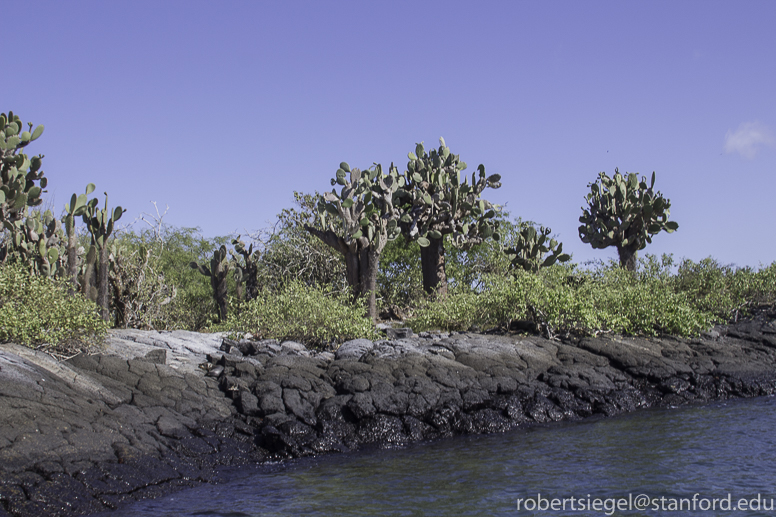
[(712, 450)]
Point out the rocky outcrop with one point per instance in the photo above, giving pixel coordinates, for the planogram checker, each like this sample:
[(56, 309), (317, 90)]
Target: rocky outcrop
[(437, 385), (163, 410), (86, 435)]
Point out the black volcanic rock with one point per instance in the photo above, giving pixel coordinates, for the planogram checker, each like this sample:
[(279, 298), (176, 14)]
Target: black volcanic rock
[(160, 411)]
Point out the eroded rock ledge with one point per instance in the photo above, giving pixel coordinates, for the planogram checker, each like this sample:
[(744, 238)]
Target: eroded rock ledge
[(165, 410)]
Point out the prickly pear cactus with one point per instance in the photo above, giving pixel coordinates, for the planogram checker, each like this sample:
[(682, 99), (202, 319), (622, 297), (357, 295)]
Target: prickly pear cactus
[(100, 224), (358, 221), (534, 249), (246, 272), (217, 271), (438, 199), (21, 185), (364, 208), (76, 208), (624, 212)]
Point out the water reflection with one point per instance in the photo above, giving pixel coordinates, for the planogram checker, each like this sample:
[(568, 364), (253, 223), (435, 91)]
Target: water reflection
[(713, 450)]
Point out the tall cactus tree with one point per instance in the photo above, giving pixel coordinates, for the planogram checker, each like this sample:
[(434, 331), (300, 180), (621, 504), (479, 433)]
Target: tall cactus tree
[(534, 249), (21, 182), (100, 225), (438, 201), (624, 212), (217, 272), (358, 221)]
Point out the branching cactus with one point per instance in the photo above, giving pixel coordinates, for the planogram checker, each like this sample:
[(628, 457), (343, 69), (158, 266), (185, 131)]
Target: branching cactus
[(76, 208), (624, 212), (100, 225), (21, 180), (438, 201), (217, 271), (246, 272), (534, 249), (358, 221)]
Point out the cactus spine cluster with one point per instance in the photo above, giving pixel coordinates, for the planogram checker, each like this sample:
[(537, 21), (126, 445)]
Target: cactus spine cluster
[(624, 212), (366, 219), (437, 201), (217, 272), (534, 249)]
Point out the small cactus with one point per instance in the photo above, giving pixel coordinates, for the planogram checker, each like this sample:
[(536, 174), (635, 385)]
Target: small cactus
[(246, 272), (100, 225), (217, 272), (532, 247)]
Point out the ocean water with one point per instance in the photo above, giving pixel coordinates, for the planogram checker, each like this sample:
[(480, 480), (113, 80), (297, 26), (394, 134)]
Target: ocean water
[(708, 460)]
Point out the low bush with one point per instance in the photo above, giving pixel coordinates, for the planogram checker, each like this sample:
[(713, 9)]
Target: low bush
[(39, 312), (564, 299), (302, 313), (726, 291)]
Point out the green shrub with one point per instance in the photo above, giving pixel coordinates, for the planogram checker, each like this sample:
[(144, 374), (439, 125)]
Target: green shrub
[(726, 291), (36, 310), (563, 300), (305, 314)]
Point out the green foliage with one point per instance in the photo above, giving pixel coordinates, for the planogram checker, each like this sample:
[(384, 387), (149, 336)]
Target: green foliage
[(566, 300), (289, 251), (399, 279), (37, 310), (305, 314), (624, 212), (193, 307), (140, 293), (726, 291)]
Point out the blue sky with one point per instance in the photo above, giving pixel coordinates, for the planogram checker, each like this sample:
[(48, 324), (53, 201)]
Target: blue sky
[(222, 109)]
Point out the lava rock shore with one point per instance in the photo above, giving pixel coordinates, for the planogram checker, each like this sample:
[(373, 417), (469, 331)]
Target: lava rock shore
[(163, 410)]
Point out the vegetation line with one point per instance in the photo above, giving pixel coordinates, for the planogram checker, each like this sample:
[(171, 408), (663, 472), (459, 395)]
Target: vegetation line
[(421, 246)]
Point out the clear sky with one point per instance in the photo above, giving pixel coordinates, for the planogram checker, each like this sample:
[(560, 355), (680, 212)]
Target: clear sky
[(222, 109)]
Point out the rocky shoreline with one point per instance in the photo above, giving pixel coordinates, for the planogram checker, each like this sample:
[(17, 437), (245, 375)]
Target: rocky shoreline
[(163, 410)]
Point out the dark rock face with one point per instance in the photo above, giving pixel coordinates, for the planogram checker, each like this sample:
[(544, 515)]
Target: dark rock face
[(115, 431), (81, 437), (434, 385)]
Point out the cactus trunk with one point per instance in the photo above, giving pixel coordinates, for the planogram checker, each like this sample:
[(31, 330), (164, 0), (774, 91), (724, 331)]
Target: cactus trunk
[(218, 282), (628, 257), (87, 280), (103, 300), (361, 265), (432, 258), (370, 260), (240, 292), (72, 257)]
